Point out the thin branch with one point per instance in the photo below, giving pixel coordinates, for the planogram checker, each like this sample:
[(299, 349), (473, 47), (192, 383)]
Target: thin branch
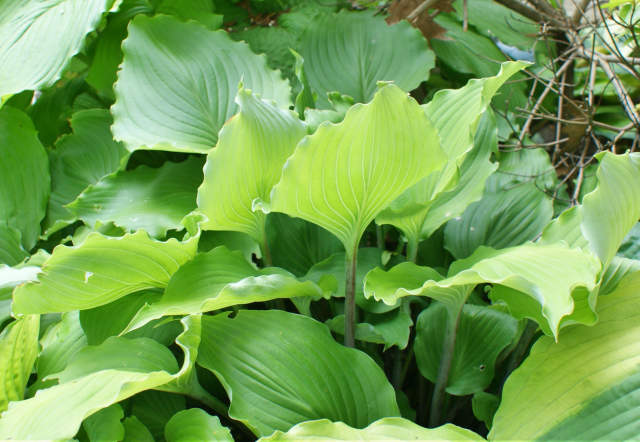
[(424, 6)]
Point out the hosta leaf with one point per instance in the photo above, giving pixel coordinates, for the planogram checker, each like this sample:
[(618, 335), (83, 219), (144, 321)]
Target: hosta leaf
[(234, 241), (297, 245), (585, 387), (368, 259), (334, 177), (198, 10), (140, 199), (618, 269), (25, 183), (18, 352), (482, 334), (609, 212), (280, 369), (38, 39), (78, 161), (196, 424), (306, 99), (155, 408), (382, 430), (565, 228), (108, 46), (485, 406), (523, 166), (349, 52), (112, 319), (499, 220), (135, 431), (391, 328), (105, 425), (56, 413), (630, 247), (100, 270), (10, 278), (195, 69), (11, 252), (551, 278), (70, 338), (246, 164), (474, 171), (219, 279)]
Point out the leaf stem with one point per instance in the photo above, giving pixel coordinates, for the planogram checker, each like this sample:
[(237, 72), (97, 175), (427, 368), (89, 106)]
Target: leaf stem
[(350, 298), (380, 237), (264, 250), (412, 250), (437, 401)]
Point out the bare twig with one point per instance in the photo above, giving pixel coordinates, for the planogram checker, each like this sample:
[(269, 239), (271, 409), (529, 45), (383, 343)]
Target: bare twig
[(424, 6)]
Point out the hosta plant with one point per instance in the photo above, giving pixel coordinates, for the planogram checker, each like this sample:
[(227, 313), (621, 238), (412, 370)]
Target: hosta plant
[(203, 242)]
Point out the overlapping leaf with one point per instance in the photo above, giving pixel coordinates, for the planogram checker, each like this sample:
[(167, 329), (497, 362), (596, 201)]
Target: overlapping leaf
[(585, 387), (11, 251), (38, 39), (141, 198), (173, 88), (25, 183), (78, 161), (349, 52), (281, 369), (100, 270), (246, 164), (196, 424), (343, 175)]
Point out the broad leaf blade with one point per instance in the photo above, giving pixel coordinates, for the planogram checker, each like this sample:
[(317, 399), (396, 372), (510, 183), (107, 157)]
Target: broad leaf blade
[(100, 270), (246, 164), (196, 424), (253, 356), (38, 39), (25, 183), (343, 175), (349, 52), (18, 352), (141, 198), (195, 68), (105, 425), (385, 429), (573, 389)]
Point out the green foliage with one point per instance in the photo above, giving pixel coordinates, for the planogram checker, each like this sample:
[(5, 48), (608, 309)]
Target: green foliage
[(284, 220)]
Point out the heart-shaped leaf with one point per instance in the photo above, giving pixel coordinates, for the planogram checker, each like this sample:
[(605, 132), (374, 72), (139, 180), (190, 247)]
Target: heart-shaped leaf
[(196, 424)]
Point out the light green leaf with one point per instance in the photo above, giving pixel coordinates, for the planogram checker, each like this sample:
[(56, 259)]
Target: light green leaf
[(155, 408), (57, 413), (474, 171), (70, 338), (10, 278), (234, 241), (112, 319), (382, 430), (140, 199), (38, 39), (609, 212), (78, 161), (334, 177), (135, 431), (630, 247), (499, 220), (196, 424), (584, 387), (280, 369), (548, 280), (219, 279), (101, 270), (108, 46), (368, 259), (391, 328), (349, 52), (105, 425), (485, 406), (11, 252), (306, 99), (565, 228), (297, 245), (25, 183), (618, 269), (18, 352), (195, 68), (314, 118), (523, 166), (482, 334), (246, 164)]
